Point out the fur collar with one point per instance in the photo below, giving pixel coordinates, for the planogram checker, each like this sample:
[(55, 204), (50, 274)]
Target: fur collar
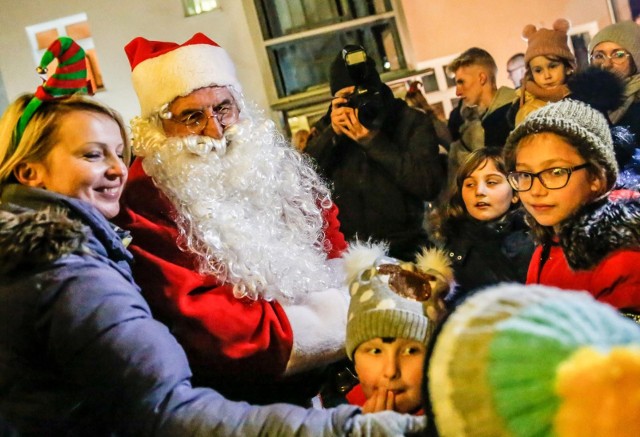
[(602, 228), (29, 239)]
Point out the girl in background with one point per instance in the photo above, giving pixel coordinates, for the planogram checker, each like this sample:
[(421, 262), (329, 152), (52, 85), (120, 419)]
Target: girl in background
[(480, 227)]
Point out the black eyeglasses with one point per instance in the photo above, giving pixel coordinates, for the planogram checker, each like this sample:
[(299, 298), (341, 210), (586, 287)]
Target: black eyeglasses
[(552, 178), (616, 57), (225, 114)]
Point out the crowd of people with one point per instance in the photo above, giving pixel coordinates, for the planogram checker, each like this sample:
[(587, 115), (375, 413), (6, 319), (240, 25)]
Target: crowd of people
[(207, 277)]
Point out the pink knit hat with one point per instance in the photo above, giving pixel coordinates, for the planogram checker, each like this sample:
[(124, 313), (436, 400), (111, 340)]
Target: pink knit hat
[(162, 71)]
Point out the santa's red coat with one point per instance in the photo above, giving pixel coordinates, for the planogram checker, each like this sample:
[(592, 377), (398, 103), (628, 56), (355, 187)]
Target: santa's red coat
[(239, 347)]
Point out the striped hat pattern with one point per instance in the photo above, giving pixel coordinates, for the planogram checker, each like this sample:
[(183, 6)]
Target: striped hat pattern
[(69, 78)]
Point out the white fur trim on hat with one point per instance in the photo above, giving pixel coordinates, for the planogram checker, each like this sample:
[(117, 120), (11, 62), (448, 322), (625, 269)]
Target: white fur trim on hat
[(159, 80)]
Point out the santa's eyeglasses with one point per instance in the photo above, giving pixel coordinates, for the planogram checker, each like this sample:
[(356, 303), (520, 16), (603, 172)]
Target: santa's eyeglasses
[(225, 114)]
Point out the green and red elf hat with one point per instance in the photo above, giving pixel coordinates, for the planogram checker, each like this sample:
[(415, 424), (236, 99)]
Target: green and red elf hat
[(69, 78)]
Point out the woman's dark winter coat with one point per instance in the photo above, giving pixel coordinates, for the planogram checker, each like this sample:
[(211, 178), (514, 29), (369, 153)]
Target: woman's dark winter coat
[(80, 354)]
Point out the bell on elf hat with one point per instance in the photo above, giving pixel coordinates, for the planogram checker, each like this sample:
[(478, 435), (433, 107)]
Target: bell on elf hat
[(162, 71)]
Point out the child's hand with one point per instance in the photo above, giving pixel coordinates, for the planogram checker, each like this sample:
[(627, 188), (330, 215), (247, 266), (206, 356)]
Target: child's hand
[(381, 400)]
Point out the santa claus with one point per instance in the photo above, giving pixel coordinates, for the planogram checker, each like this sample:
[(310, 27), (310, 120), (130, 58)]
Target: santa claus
[(235, 236)]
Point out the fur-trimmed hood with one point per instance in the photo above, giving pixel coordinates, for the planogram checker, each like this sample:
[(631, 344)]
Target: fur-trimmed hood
[(37, 227), (32, 238), (601, 229)]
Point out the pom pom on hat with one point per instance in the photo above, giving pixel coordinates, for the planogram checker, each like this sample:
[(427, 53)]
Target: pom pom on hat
[(548, 42), (584, 126), (601, 89), (514, 360), (162, 71)]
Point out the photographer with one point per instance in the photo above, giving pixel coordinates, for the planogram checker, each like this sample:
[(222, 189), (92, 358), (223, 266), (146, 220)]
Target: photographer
[(381, 156)]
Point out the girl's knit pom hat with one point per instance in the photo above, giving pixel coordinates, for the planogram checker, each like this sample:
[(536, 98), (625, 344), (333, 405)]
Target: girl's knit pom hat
[(548, 42), (584, 126), (519, 360), (391, 298)]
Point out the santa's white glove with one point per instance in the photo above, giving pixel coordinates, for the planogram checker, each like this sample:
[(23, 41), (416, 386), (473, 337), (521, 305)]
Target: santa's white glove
[(386, 423)]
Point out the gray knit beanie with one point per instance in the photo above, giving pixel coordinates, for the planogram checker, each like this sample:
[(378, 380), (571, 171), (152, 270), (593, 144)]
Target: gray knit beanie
[(626, 34), (585, 127), (377, 310)]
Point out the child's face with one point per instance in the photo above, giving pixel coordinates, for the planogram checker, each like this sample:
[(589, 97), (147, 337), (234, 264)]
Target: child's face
[(486, 193), (547, 150), (547, 73), (393, 367)]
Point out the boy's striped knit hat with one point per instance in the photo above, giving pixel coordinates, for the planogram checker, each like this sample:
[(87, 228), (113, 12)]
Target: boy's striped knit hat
[(519, 360)]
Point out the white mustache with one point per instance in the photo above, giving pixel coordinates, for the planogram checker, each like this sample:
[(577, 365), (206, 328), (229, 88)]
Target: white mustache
[(201, 145)]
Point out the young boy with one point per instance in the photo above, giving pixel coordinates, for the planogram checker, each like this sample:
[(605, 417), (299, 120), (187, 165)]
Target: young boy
[(387, 334)]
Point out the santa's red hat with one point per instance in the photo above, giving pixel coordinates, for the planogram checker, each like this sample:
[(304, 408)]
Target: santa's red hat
[(162, 71)]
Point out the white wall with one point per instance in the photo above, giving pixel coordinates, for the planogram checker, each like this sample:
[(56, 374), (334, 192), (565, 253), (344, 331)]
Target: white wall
[(113, 24)]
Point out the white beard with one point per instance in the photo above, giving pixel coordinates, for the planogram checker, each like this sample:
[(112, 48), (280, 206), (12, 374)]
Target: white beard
[(251, 214)]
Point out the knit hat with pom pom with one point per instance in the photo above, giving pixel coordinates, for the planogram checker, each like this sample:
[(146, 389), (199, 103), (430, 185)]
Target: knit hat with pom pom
[(531, 360), (391, 298), (548, 42)]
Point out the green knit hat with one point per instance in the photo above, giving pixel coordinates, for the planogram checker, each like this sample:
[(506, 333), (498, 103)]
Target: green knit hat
[(626, 34), (69, 78), (586, 127), (519, 360), (378, 308)]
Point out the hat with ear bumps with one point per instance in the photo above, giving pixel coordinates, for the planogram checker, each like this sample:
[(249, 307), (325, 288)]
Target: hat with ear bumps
[(548, 42)]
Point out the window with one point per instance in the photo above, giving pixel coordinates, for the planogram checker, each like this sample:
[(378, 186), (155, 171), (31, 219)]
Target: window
[(197, 7), (302, 38)]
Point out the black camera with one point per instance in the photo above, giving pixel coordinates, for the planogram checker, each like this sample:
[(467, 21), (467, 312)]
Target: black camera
[(370, 96)]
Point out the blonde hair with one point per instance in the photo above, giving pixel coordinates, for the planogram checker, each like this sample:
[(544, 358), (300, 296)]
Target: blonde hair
[(475, 56), (41, 132)]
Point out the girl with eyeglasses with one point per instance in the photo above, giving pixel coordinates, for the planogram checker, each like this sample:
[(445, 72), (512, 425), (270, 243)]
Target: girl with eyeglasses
[(480, 226), (564, 169), (616, 48)]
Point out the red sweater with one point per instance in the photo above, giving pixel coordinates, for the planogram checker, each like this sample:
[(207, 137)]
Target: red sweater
[(239, 347)]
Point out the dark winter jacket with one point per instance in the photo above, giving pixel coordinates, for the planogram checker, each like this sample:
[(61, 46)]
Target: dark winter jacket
[(598, 250), (80, 353), (381, 187), (487, 253)]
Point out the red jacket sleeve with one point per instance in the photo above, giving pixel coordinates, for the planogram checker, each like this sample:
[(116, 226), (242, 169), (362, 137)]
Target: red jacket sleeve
[(223, 336)]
